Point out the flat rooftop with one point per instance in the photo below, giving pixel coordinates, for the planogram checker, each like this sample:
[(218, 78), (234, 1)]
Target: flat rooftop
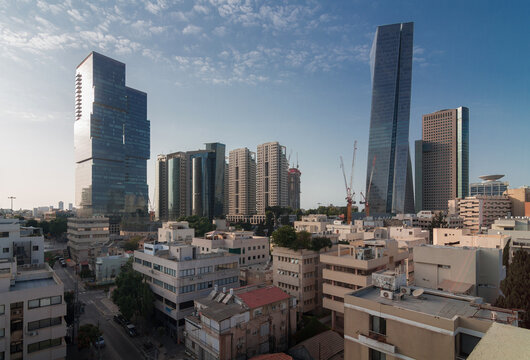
[(433, 302), (219, 311), (32, 284)]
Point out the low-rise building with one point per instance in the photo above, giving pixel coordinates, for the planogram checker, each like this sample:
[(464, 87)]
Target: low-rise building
[(178, 274), (469, 271), (503, 342), (394, 321), (345, 232), (175, 231), (479, 212), (299, 273), (251, 249), (520, 200), (350, 267), (86, 237), (32, 311), (256, 274), (314, 224), (108, 267), (24, 243), (463, 237), (241, 323)]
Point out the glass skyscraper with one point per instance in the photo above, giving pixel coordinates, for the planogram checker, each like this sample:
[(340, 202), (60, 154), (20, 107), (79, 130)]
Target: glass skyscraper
[(111, 140), (391, 190)]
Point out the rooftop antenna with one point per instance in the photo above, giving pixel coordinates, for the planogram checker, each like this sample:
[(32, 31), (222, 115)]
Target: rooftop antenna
[(297, 159), (11, 198)]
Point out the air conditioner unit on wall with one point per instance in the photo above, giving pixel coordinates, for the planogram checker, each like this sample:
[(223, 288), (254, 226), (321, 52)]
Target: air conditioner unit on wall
[(387, 294), (405, 290)]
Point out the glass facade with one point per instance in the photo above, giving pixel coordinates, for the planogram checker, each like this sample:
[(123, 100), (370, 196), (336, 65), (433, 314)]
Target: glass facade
[(219, 177), (391, 64), (462, 120), (111, 140)]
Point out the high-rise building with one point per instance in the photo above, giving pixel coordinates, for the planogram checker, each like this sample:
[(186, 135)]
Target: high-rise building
[(70, 206), (293, 193), (61, 205), (391, 190), (190, 183), (111, 140), (242, 182), (271, 179), (442, 159)]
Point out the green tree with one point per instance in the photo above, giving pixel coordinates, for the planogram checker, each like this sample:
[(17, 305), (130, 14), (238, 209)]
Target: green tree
[(437, 222), (88, 334), (132, 243), (318, 243), (132, 295), (506, 255), (69, 299), (284, 236), (58, 227), (32, 222), (516, 287), (45, 227), (302, 241), (202, 225)]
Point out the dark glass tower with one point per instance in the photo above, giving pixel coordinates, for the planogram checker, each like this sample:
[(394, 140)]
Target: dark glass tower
[(391, 190), (111, 140)]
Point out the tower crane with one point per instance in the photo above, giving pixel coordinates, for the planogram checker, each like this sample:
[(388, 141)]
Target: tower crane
[(349, 187), (366, 199)]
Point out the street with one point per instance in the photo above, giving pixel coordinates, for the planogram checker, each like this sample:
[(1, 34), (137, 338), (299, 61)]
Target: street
[(99, 311)]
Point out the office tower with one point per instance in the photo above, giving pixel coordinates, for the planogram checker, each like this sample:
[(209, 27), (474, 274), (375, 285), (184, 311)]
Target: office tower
[(61, 205), (293, 184), (490, 185), (111, 140), (391, 190), (271, 184), (242, 182), (70, 206), (442, 159), (190, 183)]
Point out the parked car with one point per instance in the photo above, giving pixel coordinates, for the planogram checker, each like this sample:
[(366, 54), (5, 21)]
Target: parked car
[(131, 330), (63, 263), (120, 319), (100, 343)]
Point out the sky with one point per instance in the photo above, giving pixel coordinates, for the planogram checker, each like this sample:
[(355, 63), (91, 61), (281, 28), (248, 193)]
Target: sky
[(248, 72)]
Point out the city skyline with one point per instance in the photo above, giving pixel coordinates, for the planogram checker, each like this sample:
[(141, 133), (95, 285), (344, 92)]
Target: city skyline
[(248, 87)]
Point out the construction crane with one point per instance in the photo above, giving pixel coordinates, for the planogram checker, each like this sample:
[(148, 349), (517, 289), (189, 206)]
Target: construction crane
[(289, 158), (11, 198), (366, 198), (349, 187)]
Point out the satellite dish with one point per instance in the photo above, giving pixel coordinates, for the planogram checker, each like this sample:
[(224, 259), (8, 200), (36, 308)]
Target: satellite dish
[(417, 293)]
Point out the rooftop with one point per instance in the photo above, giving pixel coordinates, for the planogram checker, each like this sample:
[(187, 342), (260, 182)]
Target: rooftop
[(503, 342), (438, 303), (262, 296), (32, 284)]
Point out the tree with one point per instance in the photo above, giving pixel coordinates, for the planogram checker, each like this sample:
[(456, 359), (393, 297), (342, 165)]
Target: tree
[(132, 295), (437, 222), (69, 299), (58, 227), (132, 243), (88, 334), (516, 287), (318, 243), (506, 255), (202, 225), (284, 236), (32, 222)]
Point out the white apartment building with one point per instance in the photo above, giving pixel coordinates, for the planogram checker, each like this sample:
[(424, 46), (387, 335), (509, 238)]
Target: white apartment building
[(345, 232), (178, 274), (479, 212), (251, 249), (86, 236), (271, 178), (175, 231), (32, 312), (241, 183), (463, 237), (314, 224), (24, 243)]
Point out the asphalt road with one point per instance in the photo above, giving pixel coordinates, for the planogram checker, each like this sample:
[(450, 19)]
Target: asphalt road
[(118, 345)]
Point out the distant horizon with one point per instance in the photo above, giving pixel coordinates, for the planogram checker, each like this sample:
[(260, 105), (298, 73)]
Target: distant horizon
[(296, 73)]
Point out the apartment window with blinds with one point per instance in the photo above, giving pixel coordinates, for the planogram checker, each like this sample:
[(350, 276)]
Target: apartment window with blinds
[(187, 272)]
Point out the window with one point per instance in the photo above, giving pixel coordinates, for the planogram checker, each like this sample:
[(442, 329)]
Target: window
[(157, 267), (5, 250), (2, 309), (376, 355), (4, 234), (55, 300), (186, 289), (47, 301), (44, 323), (169, 287), (378, 324), (45, 344), (205, 269), (186, 305), (2, 332), (146, 263), (35, 248), (204, 285), (187, 272), (226, 266), (158, 282), (138, 261), (169, 271)]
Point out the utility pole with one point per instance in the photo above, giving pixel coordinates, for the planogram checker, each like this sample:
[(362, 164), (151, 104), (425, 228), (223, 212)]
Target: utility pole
[(11, 198)]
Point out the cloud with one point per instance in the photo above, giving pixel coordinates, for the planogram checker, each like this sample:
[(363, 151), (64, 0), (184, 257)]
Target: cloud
[(191, 30), (219, 31), (75, 15), (201, 9), (156, 7)]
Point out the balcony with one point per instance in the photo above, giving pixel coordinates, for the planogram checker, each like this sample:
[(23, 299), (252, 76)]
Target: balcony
[(377, 341), (348, 278)]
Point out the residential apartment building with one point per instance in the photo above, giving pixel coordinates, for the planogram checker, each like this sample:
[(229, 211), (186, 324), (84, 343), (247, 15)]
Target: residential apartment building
[(178, 274), (241, 184), (463, 237), (86, 236), (518, 229), (175, 231), (479, 212), (394, 321), (293, 184), (241, 323), (299, 273), (490, 186), (314, 224), (350, 267), (423, 219), (32, 312), (251, 249), (26, 244), (271, 177), (256, 274), (470, 271), (520, 199), (108, 267), (345, 232)]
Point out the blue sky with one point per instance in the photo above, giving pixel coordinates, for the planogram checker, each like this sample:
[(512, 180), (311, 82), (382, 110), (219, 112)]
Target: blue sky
[(248, 72)]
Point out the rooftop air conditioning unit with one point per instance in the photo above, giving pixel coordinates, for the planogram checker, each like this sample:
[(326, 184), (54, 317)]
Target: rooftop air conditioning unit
[(405, 290), (387, 294)]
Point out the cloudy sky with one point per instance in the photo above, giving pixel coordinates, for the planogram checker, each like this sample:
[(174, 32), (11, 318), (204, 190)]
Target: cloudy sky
[(247, 72)]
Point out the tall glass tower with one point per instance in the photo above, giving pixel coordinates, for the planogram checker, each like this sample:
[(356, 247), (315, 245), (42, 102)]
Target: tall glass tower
[(111, 140), (391, 190)]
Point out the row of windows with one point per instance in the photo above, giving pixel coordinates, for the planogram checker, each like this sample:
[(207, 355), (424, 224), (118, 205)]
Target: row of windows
[(187, 272), (287, 286), (44, 323), (46, 344), (228, 280), (161, 284), (42, 302)]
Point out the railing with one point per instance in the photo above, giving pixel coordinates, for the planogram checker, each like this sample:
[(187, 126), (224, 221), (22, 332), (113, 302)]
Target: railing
[(377, 336)]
